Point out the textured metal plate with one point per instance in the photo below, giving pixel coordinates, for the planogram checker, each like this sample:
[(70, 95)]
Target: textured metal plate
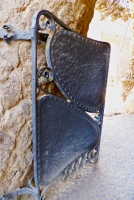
[(80, 65), (64, 133)]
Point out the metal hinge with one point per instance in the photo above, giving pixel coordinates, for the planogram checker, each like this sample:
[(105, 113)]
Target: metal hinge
[(98, 119), (9, 33)]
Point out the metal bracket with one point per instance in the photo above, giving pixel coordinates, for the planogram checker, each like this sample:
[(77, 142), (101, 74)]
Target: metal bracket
[(98, 119), (9, 33)]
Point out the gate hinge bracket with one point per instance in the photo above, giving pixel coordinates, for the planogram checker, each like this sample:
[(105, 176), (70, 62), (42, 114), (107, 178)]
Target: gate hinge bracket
[(98, 119), (9, 33)]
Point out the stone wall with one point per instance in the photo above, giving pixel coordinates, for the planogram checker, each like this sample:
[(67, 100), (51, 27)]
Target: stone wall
[(15, 82), (128, 80)]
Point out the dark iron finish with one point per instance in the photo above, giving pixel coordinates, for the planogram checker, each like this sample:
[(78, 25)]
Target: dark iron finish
[(65, 137), (64, 134), (80, 66)]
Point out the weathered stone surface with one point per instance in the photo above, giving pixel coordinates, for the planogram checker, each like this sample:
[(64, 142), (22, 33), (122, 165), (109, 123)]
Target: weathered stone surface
[(127, 85), (5, 70), (129, 103), (15, 82), (128, 82), (10, 52), (110, 8), (11, 90)]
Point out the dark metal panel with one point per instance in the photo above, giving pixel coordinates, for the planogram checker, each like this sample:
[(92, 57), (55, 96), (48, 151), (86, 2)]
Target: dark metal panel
[(64, 133), (80, 66)]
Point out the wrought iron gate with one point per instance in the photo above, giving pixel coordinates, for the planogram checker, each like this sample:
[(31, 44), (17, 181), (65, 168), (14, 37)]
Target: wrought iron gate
[(66, 136)]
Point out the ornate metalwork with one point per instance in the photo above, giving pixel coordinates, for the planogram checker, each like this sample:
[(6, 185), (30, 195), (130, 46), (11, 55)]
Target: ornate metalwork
[(28, 190), (90, 157), (48, 76), (65, 137)]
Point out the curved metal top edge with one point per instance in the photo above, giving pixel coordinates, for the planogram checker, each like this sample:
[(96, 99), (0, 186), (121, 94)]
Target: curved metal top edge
[(84, 38), (49, 15)]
